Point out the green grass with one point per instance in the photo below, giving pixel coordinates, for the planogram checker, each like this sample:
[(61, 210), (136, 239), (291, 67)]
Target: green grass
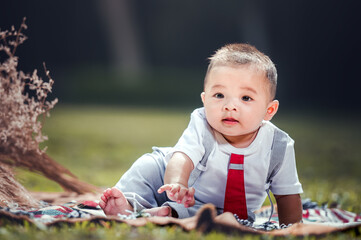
[(105, 141), (98, 144), (123, 231)]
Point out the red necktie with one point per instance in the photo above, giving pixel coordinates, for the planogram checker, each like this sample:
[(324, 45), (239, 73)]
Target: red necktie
[(235, 198)]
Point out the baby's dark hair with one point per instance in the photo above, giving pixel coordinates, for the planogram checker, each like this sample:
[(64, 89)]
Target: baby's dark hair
[(245, 54)]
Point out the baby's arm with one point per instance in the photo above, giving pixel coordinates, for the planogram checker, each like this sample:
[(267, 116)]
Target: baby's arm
[(176, 178), (289, 208)]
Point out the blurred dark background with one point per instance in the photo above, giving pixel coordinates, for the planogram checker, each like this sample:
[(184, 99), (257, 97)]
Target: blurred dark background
[(142, 52)]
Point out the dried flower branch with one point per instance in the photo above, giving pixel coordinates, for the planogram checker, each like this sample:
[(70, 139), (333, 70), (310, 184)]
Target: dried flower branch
[(20, 128), (23, 99)]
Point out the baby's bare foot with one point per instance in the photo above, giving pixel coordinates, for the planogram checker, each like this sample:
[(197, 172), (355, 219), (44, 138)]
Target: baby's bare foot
[(164, 211), (113, 202)]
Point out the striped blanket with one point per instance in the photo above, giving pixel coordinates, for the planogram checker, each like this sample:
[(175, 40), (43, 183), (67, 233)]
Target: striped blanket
[(330, 219), (312, 214)]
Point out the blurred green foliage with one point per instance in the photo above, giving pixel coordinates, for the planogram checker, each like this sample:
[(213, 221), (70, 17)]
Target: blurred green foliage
[(154, 87)]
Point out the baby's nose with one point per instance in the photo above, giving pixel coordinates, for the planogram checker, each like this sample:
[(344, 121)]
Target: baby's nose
[(230, 106)]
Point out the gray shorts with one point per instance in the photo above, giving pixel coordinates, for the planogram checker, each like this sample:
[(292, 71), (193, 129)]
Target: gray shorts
[(141, 182)]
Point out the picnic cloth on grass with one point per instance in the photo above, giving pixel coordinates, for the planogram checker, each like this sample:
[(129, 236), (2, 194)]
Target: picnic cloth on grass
[(316, 220)]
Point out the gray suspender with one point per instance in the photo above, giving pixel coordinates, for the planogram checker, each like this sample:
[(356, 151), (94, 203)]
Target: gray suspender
[(201, 166), (278, 153)]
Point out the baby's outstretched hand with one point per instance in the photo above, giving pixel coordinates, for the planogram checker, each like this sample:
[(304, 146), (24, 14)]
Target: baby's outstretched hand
[(179, 193)]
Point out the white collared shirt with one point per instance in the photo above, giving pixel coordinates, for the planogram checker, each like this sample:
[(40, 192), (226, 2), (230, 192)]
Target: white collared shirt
[(211, 184)]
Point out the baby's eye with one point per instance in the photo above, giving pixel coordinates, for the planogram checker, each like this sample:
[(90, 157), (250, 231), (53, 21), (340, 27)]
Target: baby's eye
[(246, 98), (218, 95)]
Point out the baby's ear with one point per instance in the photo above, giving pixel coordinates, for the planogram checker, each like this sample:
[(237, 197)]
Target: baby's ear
[(271, 110), (203, 96)]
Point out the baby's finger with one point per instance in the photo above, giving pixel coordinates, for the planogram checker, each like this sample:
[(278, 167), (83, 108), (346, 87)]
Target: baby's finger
[(165, 187), (181, 195), (190, 198), (191, 192), (189, 203), (174, 190)]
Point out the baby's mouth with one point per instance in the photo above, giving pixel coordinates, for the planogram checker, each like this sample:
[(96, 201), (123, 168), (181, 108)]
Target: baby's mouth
[(229, 121)]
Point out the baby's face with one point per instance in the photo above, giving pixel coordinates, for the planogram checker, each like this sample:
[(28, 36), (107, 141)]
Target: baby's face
[(236, 100)]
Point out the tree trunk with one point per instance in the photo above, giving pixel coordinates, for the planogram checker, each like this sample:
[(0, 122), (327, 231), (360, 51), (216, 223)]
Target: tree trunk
[(123, 35)]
